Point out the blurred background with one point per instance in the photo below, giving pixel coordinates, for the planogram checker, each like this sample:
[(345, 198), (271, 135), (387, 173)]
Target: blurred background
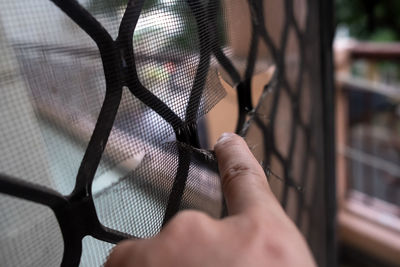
[(367, 66)]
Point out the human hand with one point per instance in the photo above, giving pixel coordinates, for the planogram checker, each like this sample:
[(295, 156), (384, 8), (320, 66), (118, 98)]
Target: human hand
[(257, 231)]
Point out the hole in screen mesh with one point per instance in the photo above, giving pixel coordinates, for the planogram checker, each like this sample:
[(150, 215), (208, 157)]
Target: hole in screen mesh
[(29, 234), (94, 252), (237, 49), (255, 140), (258, 126), (217, 121)]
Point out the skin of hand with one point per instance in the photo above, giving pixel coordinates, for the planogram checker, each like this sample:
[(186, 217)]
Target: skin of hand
[(257, 231)]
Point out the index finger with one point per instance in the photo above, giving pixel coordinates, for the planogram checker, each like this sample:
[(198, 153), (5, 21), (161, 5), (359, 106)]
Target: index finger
[(244, 183)]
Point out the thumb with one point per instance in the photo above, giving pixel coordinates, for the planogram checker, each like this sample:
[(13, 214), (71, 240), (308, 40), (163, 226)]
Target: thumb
[(244, 183)]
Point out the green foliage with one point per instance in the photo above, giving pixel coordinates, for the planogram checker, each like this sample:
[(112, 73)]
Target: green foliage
[(109, 6), (189, 26), (374, 20)]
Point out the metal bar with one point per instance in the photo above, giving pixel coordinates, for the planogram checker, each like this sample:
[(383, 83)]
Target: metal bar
[(326, 33)]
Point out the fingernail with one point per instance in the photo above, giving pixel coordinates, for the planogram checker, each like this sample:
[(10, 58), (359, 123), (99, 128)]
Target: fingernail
[(224, 136)]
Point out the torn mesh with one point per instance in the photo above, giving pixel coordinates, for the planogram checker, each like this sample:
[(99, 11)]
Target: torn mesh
[(102, 117)]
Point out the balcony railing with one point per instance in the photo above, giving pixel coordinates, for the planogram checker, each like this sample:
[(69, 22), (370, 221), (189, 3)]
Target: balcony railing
[(368, 147)]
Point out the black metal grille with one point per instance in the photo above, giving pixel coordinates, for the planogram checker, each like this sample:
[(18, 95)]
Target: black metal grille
[(181, 174)]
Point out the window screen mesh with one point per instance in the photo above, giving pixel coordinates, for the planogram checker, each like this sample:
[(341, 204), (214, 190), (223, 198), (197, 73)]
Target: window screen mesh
[(103, 129)]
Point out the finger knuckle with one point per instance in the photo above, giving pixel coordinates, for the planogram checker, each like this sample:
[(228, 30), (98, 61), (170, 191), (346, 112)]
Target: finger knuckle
[(276, 249), (190, 216), (255, 226), (234, 172), (120, 254), (185, 221)]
